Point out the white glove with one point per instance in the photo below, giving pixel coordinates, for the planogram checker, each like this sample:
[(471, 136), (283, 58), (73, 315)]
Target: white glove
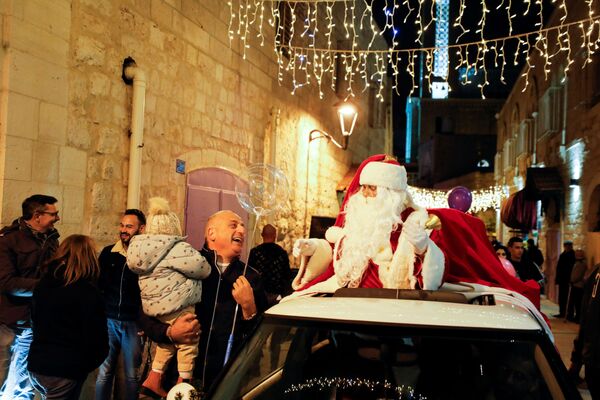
[(414, 230), (304, 247)]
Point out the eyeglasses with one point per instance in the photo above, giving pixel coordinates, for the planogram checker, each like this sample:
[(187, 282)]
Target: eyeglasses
[(53, 214)]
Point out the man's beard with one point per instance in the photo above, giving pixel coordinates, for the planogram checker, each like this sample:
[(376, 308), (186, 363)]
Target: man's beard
[(367, 228), (125, 241)]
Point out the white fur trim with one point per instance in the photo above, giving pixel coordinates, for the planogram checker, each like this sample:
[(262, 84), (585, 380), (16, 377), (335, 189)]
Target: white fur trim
[(400, 274), (388, 175), (334, 233), (312, 267)]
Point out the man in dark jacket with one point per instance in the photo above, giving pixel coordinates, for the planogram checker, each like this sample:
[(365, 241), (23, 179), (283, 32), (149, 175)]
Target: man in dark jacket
[(229, 284), (24, 246), (121, 293), (586, 347), (566, 261), (273, 263)]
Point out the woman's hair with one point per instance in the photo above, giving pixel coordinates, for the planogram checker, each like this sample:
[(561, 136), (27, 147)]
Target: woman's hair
[(77, 259)]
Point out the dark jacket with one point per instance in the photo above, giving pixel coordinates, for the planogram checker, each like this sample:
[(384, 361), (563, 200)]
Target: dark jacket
[(215, 313), (119, 286), (22, 252), (565, 264), (273, 263), (70, 336), (586, 347)]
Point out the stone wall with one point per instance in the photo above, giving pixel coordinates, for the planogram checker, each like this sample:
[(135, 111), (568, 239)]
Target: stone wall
[(66, 111)]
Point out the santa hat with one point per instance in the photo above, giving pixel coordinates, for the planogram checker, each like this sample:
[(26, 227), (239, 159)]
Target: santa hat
[(383, 164), (161, 220)]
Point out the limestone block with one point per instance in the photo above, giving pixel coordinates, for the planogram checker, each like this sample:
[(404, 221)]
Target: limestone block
[(121, 115), (108, 140), (39, 43), (73, 205), (78, 134), (150, 103), (19, 158), (13, 194), (94, 168), (53, 123), (89, 51), (200, 103), (98, 110), (23, 116), (161, 13), (99, 84), (194, 34), (72, 166), (52, 16), (103, 227), (92, 23), (188, 135), (160, 174), (104, 7), (101, 196), (37, 78), (45, 162), (157, 37), (111, 169)]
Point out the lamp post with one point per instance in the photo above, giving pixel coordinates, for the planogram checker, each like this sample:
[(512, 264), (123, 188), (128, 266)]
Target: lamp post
[(347, 114)]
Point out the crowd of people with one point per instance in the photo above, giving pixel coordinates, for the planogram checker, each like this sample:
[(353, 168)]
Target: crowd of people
[(199, 305)]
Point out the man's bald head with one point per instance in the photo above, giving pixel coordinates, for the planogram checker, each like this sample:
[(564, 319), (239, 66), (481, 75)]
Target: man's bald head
[(269, 233), (224, 234)]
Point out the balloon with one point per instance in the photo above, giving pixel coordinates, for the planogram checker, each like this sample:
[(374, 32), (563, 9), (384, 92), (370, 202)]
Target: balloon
[(266, 191), (508, 266), (182, 391), (460, 198)]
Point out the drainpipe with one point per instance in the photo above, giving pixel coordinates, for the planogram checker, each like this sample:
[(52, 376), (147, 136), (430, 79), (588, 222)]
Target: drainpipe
[(132, 75)]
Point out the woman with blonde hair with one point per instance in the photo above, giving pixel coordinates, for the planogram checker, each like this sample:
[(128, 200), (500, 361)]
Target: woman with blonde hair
[(70, 337)]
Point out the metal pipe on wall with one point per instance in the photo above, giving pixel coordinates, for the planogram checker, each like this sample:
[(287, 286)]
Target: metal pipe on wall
[(132, 74)]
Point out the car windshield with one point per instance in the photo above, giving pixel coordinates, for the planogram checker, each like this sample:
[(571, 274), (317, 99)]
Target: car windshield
[(320, 360)]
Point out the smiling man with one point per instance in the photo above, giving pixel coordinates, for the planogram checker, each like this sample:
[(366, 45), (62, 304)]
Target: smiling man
[(24, 246), (121, 293), (229, 284)]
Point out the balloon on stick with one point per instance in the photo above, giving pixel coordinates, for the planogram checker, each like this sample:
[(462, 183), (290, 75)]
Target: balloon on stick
[(460, 198), (263, 190)]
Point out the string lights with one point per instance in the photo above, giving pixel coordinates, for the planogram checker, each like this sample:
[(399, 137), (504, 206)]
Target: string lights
[(307, 50), (483, 199)]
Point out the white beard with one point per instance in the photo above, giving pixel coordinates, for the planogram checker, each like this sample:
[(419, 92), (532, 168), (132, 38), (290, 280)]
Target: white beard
[(367, 228)]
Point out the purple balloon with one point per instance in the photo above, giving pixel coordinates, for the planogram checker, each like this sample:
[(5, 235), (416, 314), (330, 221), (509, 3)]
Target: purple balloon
[(460, 198)]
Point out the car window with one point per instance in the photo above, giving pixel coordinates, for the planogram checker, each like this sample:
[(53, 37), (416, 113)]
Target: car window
[(299, 361)]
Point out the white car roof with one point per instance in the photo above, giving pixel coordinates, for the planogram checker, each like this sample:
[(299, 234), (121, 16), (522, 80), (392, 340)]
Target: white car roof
[(502, 316)]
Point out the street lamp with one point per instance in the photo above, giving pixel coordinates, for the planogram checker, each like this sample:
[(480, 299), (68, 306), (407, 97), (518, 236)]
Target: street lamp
[(347, 113)]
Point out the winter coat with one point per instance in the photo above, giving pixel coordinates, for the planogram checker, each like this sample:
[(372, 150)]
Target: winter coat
[(70, 334), (22, 252), (119, 285), (170, 272), (586, 347)]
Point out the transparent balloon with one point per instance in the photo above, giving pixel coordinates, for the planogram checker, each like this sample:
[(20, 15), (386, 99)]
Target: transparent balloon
[(265, 191)]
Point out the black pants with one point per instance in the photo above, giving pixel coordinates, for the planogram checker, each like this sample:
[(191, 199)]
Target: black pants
[(563, 297), (592, 378), (574, 307)]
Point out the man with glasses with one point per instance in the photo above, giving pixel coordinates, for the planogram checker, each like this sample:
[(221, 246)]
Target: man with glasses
[(24, 246)]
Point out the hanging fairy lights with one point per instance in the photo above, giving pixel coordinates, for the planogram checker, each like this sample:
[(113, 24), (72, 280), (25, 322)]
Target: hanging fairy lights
[(320, 40), (483, 199)]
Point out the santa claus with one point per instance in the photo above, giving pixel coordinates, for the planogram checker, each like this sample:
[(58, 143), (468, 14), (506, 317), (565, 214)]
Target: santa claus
[(381, 238)]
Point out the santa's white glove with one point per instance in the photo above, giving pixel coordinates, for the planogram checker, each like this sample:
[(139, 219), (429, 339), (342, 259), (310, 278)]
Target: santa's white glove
[(304, 247), (414, 230)]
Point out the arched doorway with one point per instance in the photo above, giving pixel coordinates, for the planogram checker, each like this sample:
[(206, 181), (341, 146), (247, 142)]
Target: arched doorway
[(210, 190)]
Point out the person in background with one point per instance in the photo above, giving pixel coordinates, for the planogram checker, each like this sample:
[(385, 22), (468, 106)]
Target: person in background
[(24, 247), (525, 268), (586, 346), (566, 261), (578, 275), (272, 261), (534, 253), (121, 293), (170, 272), (501, 251), (70, 335)]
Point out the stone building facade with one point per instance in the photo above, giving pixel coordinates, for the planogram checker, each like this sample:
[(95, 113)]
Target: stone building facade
[(554, 121), (65, 111)]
